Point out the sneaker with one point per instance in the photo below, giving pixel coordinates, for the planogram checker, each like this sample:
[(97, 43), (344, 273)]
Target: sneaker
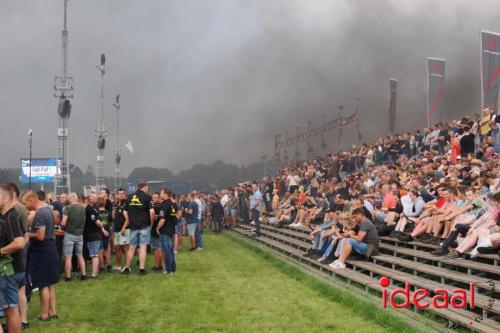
[(454, 255), (486, 250), (142, 272), (175, 252), (117, 268), (83, 277), (406, 238), (337, 265), (199, 249), (192, 249), (126, 270), (321, 259), (440, 252)]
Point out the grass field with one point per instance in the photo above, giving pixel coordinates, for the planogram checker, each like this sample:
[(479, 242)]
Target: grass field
[(228, 287)]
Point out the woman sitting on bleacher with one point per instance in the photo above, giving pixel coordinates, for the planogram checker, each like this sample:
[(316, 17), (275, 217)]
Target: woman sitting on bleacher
[(413, 205), (332, 237), (482, 228)]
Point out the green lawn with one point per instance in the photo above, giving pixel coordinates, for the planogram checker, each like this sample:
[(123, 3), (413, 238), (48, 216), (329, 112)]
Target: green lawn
[(228, 287)]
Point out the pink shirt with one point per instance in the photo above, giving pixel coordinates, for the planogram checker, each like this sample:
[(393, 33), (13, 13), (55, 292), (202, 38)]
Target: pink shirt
[(389, 201)]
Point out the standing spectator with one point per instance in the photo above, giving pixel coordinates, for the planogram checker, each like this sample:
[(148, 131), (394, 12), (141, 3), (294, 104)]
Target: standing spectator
[(217, 213), (191, 211), (93, 231), (255, 206), (156, 246), (23, 212), (105, 218), (166, 230), (199, 239), (73, 222), (42, 267), (107, 242), (139, 214), (121, 232), (467, 143), (12, 257)]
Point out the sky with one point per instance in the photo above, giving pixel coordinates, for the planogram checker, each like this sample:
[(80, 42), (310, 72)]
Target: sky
[(203, 80)]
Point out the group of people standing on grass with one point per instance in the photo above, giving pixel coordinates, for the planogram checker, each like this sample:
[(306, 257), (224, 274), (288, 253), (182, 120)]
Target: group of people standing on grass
[(36, 230), (28, 256)]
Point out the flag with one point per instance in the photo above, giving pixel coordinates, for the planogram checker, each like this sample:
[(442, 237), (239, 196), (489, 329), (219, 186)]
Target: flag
[(435, 89), (490, 68), (393, 85), (129, 146)]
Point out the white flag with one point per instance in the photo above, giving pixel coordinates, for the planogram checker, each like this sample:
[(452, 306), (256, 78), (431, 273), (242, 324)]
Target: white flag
[(128, 145)]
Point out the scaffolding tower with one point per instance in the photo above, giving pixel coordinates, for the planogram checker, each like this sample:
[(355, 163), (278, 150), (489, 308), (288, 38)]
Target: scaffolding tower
[(63, 90), (101, 131)]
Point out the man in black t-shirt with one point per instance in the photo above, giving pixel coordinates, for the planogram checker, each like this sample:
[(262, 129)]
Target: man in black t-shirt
[(12, 257), (158, 263), (166, 229), (121, 232), (93, 232), (139, 215)]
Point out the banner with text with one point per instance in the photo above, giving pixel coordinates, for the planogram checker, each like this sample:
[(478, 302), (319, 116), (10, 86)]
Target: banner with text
[(490, 68), (435, 91)]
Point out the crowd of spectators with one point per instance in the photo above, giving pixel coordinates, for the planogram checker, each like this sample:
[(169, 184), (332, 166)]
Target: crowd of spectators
[(439, 185)]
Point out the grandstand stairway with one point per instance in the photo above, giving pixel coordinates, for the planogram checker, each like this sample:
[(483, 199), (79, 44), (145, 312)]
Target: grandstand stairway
[(402, 262)]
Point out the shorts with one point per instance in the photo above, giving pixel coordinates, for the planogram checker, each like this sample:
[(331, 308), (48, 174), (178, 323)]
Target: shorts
[(93, 248), (9, 286), (72, 245), (359, 247), (178, 227), (104, 243), (192, 228), (122, 240), (155, 242), (140, 236)]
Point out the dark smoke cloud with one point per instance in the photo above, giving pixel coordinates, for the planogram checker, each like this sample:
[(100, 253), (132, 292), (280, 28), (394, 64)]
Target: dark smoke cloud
[(208, 80)]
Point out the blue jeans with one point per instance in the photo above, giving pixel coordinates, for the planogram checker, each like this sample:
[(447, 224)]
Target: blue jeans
[(197, 235), (168, 249), (359, 247), (256, 215)]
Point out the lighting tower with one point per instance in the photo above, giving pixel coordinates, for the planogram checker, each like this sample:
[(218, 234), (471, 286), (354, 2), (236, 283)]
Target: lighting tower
[(118, 158), (63, 89), (101, 132)]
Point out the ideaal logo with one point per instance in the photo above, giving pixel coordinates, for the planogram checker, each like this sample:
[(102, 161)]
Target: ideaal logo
[(440, 300)]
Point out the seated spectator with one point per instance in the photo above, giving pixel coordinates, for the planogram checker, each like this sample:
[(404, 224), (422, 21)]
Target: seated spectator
[(364, 242), (413, 204), (477, 231), (462, 229)]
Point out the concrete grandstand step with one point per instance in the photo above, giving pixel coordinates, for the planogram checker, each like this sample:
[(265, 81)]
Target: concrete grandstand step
[(444, 274), (469, 264), (463, 317)]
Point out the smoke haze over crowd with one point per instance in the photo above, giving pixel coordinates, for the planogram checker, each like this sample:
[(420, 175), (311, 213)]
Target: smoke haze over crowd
[(207, 80)]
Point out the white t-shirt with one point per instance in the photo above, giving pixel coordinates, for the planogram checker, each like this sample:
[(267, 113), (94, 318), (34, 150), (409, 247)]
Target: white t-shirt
[(224, 200), (200, 208)]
